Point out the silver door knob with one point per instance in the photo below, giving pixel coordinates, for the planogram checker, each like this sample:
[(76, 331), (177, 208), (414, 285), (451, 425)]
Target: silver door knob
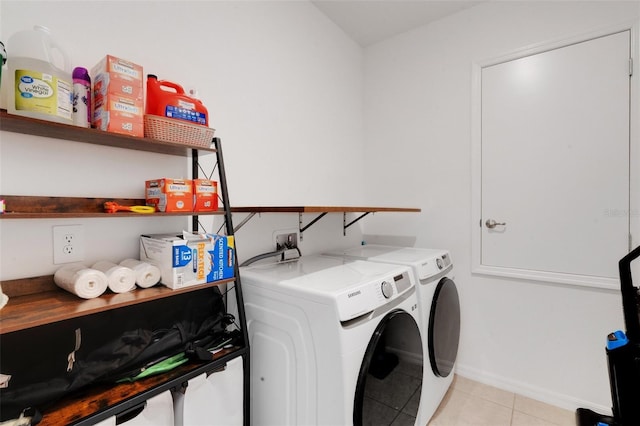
[(490, 223)]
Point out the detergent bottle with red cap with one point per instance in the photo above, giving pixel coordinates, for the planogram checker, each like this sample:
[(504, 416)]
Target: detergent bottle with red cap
[(169, 100)]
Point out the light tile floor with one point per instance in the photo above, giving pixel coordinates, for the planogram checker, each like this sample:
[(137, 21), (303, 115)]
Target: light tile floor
[(394, 401), (469, 403)]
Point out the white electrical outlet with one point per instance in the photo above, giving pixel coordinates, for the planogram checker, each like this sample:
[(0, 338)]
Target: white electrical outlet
[(68, 244)]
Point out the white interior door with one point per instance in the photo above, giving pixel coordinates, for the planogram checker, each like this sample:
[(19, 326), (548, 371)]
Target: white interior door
[(555, 159)]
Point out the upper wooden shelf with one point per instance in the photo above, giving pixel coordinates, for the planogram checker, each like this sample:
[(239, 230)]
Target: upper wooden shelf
[(321, 209), (38, 301), (30, 126)]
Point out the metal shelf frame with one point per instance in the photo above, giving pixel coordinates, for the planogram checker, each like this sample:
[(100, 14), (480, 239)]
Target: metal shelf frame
[(17, 124)]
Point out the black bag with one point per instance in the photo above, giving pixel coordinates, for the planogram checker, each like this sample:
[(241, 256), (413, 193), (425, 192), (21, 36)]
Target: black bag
[(47, 362)]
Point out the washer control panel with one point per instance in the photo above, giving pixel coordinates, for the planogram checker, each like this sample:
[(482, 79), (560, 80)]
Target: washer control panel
[(367, 297), (433, 266)]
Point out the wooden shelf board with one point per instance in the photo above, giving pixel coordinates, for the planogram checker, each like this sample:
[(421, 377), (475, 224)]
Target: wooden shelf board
[(321, 209), (38, 207), (44, 307), (99, 398), (12, 215), (31, 126)]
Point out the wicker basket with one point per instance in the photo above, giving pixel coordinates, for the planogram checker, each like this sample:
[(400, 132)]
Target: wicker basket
[(176, 131)]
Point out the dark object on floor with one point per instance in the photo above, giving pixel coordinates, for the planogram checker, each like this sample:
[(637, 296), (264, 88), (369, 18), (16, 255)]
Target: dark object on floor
[(623, 357), (382, 364)]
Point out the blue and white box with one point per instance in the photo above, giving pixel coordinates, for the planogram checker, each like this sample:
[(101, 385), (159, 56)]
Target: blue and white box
[(189, 259)]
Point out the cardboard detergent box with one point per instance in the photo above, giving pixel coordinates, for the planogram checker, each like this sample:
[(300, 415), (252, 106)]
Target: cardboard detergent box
[(105, 83), (119, 77), (205, 195), (187, 259), (118, 114), (169, 195), (118, 96)]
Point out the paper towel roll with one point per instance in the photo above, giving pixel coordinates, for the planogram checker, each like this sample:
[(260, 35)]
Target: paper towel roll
[(121, 279), (82, 281), (3, 299), (147, 275)]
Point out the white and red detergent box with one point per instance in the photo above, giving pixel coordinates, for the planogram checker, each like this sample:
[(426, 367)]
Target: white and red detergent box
[(119, 115), (169, 195), (118, 96), (119, 77), (193, 260), (105, 83), (205, 195)]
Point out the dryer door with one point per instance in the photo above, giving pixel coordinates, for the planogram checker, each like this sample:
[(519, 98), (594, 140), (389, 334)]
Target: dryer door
[(390, 378), (444, 328)]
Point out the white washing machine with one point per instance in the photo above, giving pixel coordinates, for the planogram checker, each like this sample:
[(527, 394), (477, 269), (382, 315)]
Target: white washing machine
[(439, 309), (317, 326)]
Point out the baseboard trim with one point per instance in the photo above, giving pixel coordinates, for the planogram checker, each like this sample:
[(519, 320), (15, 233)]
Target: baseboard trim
[(540, 394)]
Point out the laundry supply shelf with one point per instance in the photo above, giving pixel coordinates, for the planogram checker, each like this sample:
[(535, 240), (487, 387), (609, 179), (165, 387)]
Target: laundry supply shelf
[(80, 408), (35, 302), (32, 126), (38, 301), (322, 210), (37, 207)]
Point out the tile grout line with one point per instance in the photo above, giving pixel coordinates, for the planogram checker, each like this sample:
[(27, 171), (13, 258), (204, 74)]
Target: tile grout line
[(487, 399), (513, 407)]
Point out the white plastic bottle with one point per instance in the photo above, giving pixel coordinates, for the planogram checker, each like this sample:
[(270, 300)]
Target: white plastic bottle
[(40, 83)]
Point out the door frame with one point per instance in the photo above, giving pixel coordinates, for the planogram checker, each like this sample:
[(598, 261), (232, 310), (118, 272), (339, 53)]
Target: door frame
[(476, 159)]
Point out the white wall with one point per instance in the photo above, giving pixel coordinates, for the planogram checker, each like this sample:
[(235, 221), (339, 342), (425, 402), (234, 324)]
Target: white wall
[(283, 86), (543, 340)]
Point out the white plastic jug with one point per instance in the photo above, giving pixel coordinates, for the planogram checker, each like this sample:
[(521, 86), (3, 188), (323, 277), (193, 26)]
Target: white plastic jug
[(40, 82)]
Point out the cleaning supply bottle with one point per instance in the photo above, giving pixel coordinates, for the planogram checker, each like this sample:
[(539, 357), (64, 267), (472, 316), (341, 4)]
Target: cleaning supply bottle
[(40, 82), (4, 77), (81, 97), (3, 59), (167, 99)]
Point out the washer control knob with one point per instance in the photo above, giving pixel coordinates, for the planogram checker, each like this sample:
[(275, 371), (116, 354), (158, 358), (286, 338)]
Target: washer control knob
[(439, 263), (387, 289)]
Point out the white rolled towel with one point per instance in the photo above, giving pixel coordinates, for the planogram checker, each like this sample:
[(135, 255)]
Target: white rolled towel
[(84, 282), (121, 279), (3, 298), (147, 275)]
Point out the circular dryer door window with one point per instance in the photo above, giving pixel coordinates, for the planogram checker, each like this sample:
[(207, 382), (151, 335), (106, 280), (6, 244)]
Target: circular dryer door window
[(444, 328), (390, 377)]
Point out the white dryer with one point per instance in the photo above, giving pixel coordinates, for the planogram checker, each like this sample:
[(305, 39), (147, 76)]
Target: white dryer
[(439, 308), (316, 326)]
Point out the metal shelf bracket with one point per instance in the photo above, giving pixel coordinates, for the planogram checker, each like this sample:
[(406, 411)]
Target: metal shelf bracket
[(244, 221), (345, 225), (304, 228)]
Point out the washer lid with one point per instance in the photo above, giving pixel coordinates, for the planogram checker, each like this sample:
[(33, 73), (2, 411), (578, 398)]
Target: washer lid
[(426, 262), (353, 287)]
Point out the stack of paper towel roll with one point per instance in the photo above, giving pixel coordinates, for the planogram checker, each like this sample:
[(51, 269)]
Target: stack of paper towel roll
[(92, 282)]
